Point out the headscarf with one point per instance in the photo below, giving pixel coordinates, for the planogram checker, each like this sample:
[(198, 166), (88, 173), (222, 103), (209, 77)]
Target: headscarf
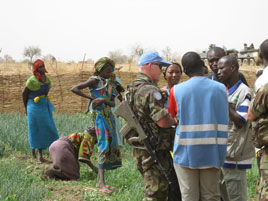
[(101, 63), (38, 63)]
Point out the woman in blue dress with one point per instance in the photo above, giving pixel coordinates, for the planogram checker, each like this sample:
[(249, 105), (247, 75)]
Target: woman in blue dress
[(102, 94), (41, 127)]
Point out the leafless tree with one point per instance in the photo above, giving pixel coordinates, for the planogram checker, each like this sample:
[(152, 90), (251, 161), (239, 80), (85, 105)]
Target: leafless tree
[(167, 54), (118, 57), (90, 61), (175, 57), (49, 58), (8, 59), (137, 50), (31, 52), (1, 59)]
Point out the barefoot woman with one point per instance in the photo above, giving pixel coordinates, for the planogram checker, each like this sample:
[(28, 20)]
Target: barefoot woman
[(102, 96), (41, 127)]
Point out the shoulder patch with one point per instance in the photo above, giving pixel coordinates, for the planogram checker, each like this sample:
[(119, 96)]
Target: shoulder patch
[(157, 95)]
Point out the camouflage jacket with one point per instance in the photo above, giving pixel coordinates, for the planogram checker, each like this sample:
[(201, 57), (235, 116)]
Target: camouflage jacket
[(147, 103), (259, 107)]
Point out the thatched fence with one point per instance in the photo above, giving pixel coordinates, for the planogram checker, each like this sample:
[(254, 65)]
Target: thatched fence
[(11, 87)]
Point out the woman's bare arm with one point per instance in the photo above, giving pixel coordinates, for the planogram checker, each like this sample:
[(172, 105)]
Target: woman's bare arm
[(91, 83), (99, 101), (93, 167), (25, 97), (88, 105)]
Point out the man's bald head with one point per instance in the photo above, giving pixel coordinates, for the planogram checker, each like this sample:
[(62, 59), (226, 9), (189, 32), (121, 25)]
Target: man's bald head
[(217, 50), (192, 63), (231, 60)]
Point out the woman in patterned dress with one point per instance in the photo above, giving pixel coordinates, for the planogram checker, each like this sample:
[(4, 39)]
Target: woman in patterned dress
[(68, 151), (102, 94)]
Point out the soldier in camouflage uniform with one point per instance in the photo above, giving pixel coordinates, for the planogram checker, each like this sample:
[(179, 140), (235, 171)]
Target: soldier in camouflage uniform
[(148, 105), (259, 110)]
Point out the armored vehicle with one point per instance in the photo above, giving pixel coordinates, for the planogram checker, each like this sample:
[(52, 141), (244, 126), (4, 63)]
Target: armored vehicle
[(203, 56), (248, 56)]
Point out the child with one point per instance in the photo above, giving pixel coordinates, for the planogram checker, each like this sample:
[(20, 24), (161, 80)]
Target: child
[(102, 96)]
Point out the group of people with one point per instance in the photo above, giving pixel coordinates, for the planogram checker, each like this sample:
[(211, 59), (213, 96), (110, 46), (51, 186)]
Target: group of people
[(213, 114), (200, 130), (67, 151)]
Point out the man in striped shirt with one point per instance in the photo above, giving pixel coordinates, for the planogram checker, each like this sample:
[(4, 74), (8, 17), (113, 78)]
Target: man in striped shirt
[(240, 149), (201, 107)]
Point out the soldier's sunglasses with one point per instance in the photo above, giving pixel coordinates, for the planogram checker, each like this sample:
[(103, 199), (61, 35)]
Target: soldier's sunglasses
[(157, 64)]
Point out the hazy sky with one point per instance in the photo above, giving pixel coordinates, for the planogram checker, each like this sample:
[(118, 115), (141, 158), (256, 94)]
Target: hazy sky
[(68, 29)]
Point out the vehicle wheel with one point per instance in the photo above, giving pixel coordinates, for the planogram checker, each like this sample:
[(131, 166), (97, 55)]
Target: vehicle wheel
[(206, 62), (252, 62), (239, 62), (245, 62)]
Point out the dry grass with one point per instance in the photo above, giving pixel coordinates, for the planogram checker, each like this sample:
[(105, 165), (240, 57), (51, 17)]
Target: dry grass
[(66, 68), (63, 77), (59, 67)]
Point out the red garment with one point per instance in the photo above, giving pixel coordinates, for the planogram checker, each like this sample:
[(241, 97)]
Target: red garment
[(38, 63), (172, 106)]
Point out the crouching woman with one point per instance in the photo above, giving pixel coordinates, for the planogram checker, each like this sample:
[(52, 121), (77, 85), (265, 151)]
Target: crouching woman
[(66, 153)]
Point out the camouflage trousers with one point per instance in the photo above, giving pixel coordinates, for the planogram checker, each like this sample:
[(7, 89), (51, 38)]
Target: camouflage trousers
[(155, 186), (262, 189)]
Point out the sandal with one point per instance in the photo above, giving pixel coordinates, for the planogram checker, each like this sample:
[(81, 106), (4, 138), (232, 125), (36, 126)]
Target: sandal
[(105, 191), (106, 186), (109, 187)]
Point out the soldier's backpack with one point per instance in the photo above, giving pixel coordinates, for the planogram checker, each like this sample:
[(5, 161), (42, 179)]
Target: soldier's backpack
[(260, 133)]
